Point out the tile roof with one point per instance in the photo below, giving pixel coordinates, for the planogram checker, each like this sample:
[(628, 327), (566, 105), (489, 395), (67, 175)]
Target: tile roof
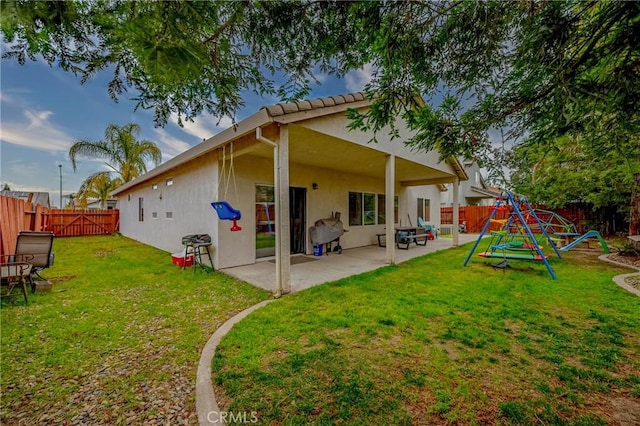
[(310, 104)]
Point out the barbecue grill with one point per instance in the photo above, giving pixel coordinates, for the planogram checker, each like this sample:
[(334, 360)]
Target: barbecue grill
[(198, 243), (326, 231)]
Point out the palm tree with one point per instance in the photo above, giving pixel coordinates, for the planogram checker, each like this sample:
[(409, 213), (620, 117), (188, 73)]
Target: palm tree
[(98, 186), (70, 204), (121, 150)]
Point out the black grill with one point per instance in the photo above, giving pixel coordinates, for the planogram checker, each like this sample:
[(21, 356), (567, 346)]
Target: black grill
[(196, 239)]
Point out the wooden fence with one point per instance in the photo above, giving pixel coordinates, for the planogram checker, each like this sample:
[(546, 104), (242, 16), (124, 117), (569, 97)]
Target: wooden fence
[(477, 216), (75, 223), (18, 215), (474, 216)]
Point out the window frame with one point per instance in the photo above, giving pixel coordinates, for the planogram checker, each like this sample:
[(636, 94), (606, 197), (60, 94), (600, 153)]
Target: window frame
[(424, 205), (367, 217)]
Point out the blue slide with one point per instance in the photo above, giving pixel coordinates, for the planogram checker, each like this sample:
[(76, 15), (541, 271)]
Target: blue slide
[(590, 234)]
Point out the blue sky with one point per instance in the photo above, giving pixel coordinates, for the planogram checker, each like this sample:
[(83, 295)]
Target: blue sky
[(44, 110)]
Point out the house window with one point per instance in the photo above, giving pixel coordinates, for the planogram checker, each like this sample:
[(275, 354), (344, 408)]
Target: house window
[(169, 181), (140, 209), (368, 209), (355, 208), (169, 215), (265, 209), (154, 215), (154, 186), (381, 209), (381, 215), (424, 209)]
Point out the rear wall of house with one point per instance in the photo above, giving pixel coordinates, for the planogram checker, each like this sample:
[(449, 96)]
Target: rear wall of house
[(183, 207)]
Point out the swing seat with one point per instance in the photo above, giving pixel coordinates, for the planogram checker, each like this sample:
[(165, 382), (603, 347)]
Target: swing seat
[(225, 211)]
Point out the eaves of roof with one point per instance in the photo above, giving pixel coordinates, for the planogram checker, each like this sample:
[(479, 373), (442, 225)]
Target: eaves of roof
[(459, 169), (485, 193), (289, 112)]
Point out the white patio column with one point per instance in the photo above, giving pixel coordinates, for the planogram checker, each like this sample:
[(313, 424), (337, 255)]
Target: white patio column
[(281, 189), (456, 211), (389, 190)]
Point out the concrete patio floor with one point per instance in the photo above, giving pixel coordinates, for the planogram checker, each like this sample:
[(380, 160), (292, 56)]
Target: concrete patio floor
[(314, 270)]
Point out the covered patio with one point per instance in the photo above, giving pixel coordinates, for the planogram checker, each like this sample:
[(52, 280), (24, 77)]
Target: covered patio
[(308, 271)]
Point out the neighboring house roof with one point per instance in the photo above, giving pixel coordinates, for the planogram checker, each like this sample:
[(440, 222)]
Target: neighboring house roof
[(285, 113), (474, 191), (484, 192), (36, 198), (93, 203)]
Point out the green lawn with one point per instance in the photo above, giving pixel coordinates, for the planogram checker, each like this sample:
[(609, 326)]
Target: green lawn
[(431, 342), (117, 341)]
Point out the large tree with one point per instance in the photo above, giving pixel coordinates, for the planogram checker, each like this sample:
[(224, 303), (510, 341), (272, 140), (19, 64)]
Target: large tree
[(97, 187), (123, 153), (537, 70)]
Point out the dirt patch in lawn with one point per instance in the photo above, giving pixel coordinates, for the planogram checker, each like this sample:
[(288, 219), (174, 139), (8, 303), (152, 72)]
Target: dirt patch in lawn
[(63, 279), (625, 411)]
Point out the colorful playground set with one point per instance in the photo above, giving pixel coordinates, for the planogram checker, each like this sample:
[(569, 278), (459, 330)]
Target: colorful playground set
[(524, 232)]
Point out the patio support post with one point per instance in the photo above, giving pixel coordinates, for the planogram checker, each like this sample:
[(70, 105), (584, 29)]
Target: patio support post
[(390, 232), (456, 211), (281, 195), (283, 244)]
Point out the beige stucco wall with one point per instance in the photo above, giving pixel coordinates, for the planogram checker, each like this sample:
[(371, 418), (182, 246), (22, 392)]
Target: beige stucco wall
[(331, 196), (337, 126), (187, 200), (432, 193)]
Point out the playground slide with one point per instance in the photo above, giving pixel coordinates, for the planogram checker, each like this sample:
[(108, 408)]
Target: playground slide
[(580, 239)]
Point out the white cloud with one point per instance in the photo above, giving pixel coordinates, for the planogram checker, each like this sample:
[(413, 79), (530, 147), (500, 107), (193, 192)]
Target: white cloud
[(35, 131), (169, 145), (321, 77), (356, 80), (20, 170), (204, 126)]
